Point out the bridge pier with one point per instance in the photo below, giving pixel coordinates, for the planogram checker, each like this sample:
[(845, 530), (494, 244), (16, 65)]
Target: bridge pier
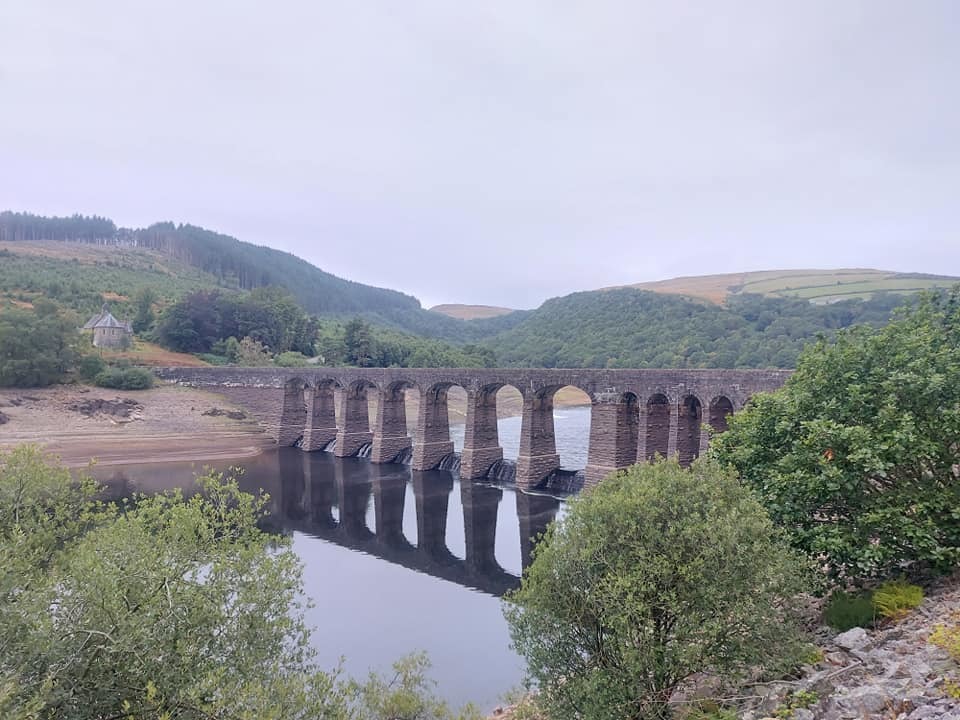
[(481, 441), (538, 446), (431, 493), (390, 428), (354, 430), (534, 513), (614, 428), (433, 429), (321, 427), (293, 414), (389, 492), (480, 504)]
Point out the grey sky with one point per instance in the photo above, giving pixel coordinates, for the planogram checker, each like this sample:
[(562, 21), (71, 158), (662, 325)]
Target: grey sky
[(499, 152)]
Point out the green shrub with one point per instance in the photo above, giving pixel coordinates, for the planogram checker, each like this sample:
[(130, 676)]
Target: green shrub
[(90, 366), (651, 578), (894, 599), (125, 379), (857, 454), (845, 611), (291, 359), (212, 359)]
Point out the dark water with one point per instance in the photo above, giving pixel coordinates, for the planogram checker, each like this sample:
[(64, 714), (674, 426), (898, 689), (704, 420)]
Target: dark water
[(397, 560)]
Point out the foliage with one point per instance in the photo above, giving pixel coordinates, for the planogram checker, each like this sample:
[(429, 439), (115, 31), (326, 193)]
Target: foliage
[(291, 359), (845, 611), (801, 699), (36, 347), (652, 577), (948, 637), (252, 353), (408, 695), (629, 328), (25, 226), (857, 454), (359, 343), (143, 302), (164, 607), (201, 320), (119, 378), (90, 366), (894, 599)]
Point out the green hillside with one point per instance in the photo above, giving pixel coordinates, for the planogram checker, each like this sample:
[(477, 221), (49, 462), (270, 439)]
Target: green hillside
[(179, 258), (627, 327)]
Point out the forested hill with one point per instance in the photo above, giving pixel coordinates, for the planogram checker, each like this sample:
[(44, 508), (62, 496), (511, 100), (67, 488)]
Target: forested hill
[(233, 262), (638, 328)]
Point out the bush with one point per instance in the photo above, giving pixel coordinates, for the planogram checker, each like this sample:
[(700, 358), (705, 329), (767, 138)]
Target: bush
[(653, 577), (291, 359), (845, 611), (125, 379), (893, 600), (165, 607), (90, 366), (856, 455)]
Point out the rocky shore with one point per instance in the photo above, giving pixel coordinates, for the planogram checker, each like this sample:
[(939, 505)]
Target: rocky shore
[(893, 672)]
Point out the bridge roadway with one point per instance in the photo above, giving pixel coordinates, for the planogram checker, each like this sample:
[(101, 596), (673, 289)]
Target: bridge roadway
[(635, 414)]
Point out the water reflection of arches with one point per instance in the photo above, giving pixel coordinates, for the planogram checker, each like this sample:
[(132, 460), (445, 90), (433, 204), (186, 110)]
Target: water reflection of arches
[(310, 486)]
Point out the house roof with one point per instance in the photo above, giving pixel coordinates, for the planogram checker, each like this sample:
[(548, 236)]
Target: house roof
[(104, 319)]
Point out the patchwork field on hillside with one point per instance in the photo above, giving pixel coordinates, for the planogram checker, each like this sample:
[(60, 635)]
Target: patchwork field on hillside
[(818, 286)]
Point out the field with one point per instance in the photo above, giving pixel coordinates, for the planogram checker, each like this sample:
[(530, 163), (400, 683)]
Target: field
[(471, 312), (818, 286), (145, 353)]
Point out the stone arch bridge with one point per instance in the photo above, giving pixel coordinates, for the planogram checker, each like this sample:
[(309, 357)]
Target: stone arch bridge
[(635, 414)]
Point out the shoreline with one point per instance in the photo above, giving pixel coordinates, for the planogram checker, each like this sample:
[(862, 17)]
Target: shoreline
[(81, 424)]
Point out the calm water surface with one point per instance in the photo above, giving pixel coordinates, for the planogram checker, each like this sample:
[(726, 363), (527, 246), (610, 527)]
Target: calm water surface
[(397, 560)]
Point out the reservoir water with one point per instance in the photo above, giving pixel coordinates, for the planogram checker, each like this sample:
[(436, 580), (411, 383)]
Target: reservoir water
[(395, 560)]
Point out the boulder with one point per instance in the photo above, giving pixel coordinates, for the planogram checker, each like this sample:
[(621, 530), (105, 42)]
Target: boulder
[(855, 639)]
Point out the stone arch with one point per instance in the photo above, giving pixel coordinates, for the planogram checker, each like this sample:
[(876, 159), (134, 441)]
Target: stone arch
[(293, 413), (688, 428), (657, 428), (721, 408)]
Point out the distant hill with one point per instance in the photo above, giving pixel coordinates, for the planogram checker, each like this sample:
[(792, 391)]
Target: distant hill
[(628, 327), (817, 286), (471, 312)]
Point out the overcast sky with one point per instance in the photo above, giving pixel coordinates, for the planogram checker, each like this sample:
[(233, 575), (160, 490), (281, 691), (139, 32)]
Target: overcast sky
[(499, 152)]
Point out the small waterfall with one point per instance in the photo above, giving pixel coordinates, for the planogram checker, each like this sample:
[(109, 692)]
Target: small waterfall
[(404, 457), (365, 450), (564, 481), (504, 471), (450, 463), (329, 446)]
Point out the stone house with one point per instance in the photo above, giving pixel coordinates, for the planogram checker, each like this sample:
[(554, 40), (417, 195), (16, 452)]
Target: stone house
[(108, 332)]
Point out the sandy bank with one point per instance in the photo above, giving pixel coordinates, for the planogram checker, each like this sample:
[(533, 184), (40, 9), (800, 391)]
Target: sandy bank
[(81, 424)]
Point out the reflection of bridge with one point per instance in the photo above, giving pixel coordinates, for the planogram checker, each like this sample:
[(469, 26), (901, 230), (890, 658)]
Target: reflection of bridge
[(329, 499), (635, 413)]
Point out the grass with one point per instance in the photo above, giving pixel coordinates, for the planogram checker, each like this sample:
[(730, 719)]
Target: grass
[(144, 353), (471, 312)]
